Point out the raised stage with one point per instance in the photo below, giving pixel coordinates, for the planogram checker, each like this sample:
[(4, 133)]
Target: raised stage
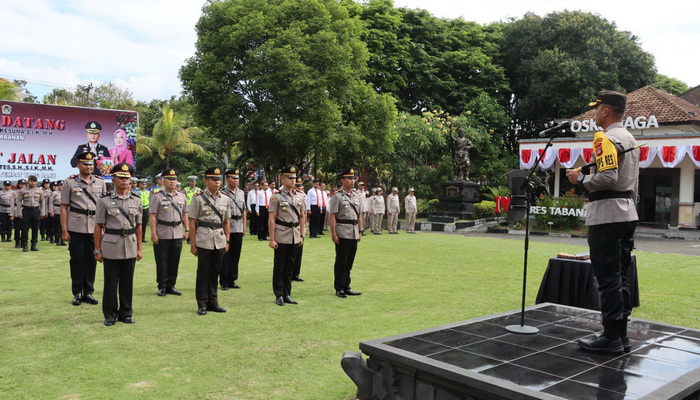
[(478, 359)]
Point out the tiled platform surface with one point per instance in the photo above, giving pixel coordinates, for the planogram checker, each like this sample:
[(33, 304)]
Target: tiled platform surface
[(479, 359)]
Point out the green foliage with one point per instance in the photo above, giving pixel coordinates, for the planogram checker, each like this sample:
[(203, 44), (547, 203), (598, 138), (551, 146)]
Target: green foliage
[(8, 91), (485, 209), (560, 222), (490, 192), (557, 63), (671, 85), (426, 207), (170, 136), (104, 95)]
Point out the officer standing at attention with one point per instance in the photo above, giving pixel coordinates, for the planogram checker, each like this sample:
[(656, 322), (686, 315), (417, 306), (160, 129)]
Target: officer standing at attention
[(393, 208), (313, 209), (55, 214), (365, 206), (299, 188), (79, 196), (229, 267), (611, 219), (45, 223), (33, 209), (7, 201), (209, 215), (16, 214), (251, 202), (287, 224), (192, 189), (411, 208), (346, 207), (262, 210), (118, 244), (168, 215), (376, 209), (145, 195)]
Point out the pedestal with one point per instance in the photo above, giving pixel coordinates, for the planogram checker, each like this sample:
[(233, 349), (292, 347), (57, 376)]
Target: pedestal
[(457, 200)]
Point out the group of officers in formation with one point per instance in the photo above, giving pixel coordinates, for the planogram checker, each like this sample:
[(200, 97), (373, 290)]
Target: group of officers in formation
[(110, 226)]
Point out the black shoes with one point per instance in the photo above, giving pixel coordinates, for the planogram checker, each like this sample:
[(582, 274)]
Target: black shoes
[(34, 248), (349, 292), (127, 320), (224, 287), (90, 300), (234, 286), (297, 279), (25, 249), (202, 311), (161, 292), (109, 322), (174, 291), (340, 293), (600, 343), (77, 299), (216, 308), (279, 301), (289, 300), (626, 346)]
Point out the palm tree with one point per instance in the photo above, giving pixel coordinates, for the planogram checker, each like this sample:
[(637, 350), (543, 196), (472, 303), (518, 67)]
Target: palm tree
[(169, 137), (8, 91)]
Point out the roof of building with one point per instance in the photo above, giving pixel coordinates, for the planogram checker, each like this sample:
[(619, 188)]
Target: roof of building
[(667, 108), (692, 96)]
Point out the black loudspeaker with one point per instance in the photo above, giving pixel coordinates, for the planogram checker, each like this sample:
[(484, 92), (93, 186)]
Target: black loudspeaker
[(517, 183)]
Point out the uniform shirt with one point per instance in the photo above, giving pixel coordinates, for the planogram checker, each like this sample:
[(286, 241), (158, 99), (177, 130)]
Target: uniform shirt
[(54, 202), (168, 209), (237, 209), (47, 194), (313, 198), (261, 196), (376, 204), (365, 200), (284, 203), (113, 246), (393, 204), (7, 200), (347, 207), (73, 196), (621, 179), (34, 197), (410, 204), (210, 238), (252, 199)]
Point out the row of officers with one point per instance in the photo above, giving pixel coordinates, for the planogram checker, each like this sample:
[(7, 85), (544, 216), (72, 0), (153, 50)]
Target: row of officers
[(106, 226)]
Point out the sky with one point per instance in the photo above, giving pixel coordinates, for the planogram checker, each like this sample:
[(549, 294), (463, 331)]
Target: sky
[(141, 44)]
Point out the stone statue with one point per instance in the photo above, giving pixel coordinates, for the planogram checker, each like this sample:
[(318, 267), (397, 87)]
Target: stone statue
[(461, 155)]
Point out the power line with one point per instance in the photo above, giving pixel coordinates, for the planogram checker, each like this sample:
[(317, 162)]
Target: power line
[(39, 82)]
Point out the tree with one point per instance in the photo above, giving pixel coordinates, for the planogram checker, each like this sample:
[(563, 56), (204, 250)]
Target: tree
[(556, 64), (170, 137), (671, 85), (8, 90), (283, 82), (104, 95)]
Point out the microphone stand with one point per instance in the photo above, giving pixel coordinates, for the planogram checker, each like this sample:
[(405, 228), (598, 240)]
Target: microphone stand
[(523, 329)]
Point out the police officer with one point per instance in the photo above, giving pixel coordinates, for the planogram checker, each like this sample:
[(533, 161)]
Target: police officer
[(411, 208), (191, 189), (168, 215), (376, 210), (16, 214), (365, 206), (346, 208), (229, 266), (45, 223), (299, 188), (313, 208), (209, 215), (252, 202), (7, 201), (287, 224), (611, 219), (54, 204), (33, 208), (145, 195), (92, 129), (79, 196), (393, 208), (118, 244)]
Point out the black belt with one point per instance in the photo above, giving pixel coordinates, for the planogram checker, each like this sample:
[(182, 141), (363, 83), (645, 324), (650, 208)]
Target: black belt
[(609, 194), (287, 224), (4, 205), (169, 223), (57, 205), (236, 217), (121, 232), (346, 221), (84, 212), (212, 225)]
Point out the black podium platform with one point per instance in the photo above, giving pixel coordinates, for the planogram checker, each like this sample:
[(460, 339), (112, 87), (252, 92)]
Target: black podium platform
[(478, 360)]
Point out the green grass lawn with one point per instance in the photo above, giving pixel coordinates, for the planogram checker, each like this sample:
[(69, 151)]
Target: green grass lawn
[(53, 350)]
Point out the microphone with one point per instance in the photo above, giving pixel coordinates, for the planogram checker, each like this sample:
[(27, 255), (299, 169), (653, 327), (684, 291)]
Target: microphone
[(564, 126)]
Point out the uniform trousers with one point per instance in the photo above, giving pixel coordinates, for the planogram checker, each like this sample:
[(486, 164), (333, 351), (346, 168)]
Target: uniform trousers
[(44, 227), (5, 226), (366, 221), (119, 278), (263, 228), (167, 254), (297, 262), (144, 225), (377, 220), (610, 248), (324, 220), (229, 265), (253, 221), (208, 268), (410, 221), (30, 220), (285, 256), (392, 221), (315, 222), (18, 230), (82, 262), (55, 231), (344, 258)]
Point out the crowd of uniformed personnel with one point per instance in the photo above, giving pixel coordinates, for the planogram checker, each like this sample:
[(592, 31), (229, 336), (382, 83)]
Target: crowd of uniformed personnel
[(110, 226)]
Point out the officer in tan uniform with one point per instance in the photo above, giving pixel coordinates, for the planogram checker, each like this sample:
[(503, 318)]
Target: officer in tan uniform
[(118, 244), (79, 196), (45, 223), (411, 208), (32, 210), (346, 207), (376, 210), (169, 225), (16, 214), (365, 206), (7, 201), (393, 208), (209, 216), (229, 266), (296, 272), (611, 219), (287, 225), (55, 214)]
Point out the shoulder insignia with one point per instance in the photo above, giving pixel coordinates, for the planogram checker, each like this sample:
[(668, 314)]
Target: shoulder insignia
[(98, 177), (198, 193), (72, 176), (106, 194)]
